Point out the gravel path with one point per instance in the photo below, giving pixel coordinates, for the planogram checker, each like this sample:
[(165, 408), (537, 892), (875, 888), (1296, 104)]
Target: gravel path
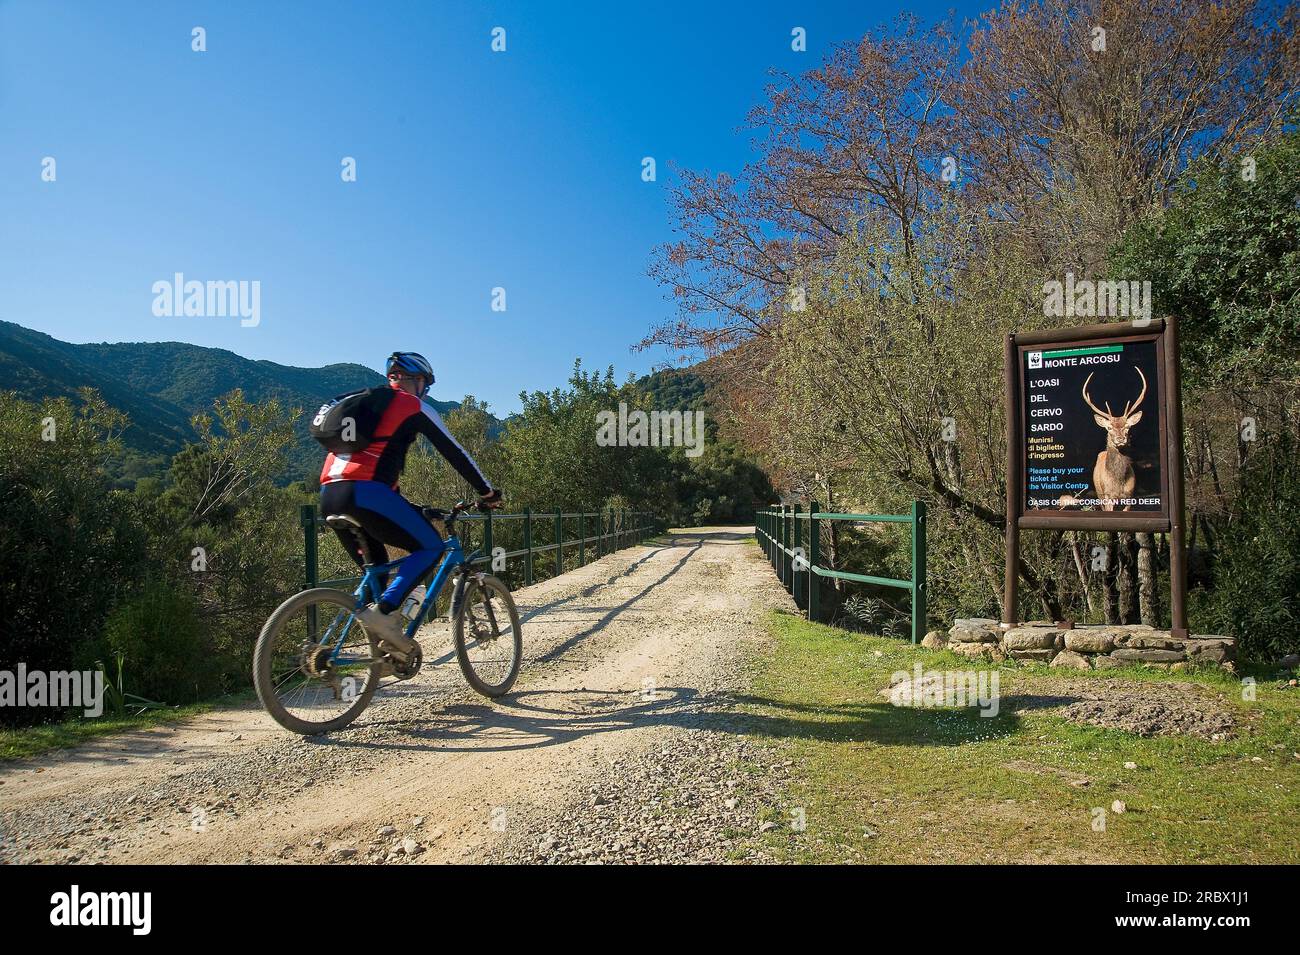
[(618, 743)]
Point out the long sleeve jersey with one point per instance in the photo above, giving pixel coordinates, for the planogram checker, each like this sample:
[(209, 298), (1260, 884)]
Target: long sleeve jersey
[(384, 458)]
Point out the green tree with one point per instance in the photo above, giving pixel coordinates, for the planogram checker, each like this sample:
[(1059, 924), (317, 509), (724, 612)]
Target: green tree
[(70, 546), (1225, 258), (224, 535), (554, 460)]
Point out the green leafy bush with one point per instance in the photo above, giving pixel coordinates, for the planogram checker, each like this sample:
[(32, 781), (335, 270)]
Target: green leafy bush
[(159, 635), (1256, 576), (69, 545)]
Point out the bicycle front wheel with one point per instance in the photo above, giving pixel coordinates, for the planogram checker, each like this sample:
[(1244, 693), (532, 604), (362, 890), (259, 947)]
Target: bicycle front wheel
[(489, 641), (315, 668)]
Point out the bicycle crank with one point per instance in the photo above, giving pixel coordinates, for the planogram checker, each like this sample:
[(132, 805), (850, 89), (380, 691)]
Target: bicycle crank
[(402, 666)]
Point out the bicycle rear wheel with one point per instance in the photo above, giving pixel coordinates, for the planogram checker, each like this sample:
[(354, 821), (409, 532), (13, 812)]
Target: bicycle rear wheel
[(315, 667), (489, 641)]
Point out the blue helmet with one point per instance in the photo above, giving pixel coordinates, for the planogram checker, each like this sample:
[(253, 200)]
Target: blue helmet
[(413, 362)]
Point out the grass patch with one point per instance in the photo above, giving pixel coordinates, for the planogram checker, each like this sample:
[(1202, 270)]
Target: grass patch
[(888, 784), (30, 741)]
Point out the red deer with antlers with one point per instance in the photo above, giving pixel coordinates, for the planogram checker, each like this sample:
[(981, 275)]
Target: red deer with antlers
[(1113, 476)]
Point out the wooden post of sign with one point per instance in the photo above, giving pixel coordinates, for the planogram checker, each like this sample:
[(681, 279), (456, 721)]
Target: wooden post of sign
[(1174, 435), (1011, 584)]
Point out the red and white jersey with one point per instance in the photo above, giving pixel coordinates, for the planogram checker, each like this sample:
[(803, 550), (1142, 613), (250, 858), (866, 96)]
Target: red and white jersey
[(385, 457)]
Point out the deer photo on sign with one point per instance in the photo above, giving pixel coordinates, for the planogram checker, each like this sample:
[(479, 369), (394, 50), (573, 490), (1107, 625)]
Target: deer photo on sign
[(1113, 477), (1092, 434)]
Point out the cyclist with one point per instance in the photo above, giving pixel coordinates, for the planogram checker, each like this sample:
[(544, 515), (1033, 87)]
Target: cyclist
[(362, 485)]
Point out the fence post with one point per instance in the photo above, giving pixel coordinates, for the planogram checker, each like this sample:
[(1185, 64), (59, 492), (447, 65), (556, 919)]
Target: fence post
[(559, 543), (814, 555), (785, 546), (307, 515), (789, 543), (487, 538), (528, 546), (582, 538), (771, 547), (918, 571), (788, 578), (777, 523), (794, 561), (776, 543), (780, 551)]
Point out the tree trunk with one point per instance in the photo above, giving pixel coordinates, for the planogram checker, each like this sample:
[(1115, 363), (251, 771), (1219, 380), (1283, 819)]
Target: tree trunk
[(1048, 597), (1148, 593), (1077, 552), (1128, 582), (834, 535), (1109, 595), (1051, 600)]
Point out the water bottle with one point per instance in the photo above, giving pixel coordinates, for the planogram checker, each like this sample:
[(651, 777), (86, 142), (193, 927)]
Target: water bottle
[(411, 606)]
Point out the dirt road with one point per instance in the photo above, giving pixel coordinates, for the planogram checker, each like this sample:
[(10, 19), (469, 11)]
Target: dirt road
[(624, 694)]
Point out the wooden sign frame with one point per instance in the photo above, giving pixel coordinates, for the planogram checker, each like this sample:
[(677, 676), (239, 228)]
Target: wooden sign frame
[(1170, 449)]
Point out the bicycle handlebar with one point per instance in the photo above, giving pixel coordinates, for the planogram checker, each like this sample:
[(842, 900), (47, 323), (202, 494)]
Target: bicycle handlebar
[(457, 509)]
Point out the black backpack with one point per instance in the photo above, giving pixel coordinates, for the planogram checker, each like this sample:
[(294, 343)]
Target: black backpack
[(348, 422)]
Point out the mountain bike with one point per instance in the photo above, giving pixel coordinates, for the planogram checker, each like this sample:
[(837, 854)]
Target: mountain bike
[(316, 668)]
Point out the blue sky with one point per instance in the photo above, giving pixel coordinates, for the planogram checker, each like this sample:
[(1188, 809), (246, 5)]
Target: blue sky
[(475, 170)]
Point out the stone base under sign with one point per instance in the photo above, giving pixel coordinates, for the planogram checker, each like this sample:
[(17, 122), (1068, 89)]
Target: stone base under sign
[(1083, 648)]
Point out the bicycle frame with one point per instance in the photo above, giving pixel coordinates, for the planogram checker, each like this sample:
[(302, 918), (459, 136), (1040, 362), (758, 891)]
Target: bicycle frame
[(370, 590)]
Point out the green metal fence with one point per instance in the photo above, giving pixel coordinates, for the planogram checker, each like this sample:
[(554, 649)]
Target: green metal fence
[(598, 534), (780, 533)]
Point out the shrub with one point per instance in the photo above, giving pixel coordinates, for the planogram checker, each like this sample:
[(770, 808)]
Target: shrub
[(160, 636), (1256, 576)]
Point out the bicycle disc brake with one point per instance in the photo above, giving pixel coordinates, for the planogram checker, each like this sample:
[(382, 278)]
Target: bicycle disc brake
[(480, 634)]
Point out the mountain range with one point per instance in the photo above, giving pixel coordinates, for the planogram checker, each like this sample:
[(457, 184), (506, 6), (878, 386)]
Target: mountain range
[(161, 385)]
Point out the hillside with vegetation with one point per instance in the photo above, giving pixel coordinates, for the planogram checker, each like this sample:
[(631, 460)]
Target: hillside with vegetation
[(160, 386)]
